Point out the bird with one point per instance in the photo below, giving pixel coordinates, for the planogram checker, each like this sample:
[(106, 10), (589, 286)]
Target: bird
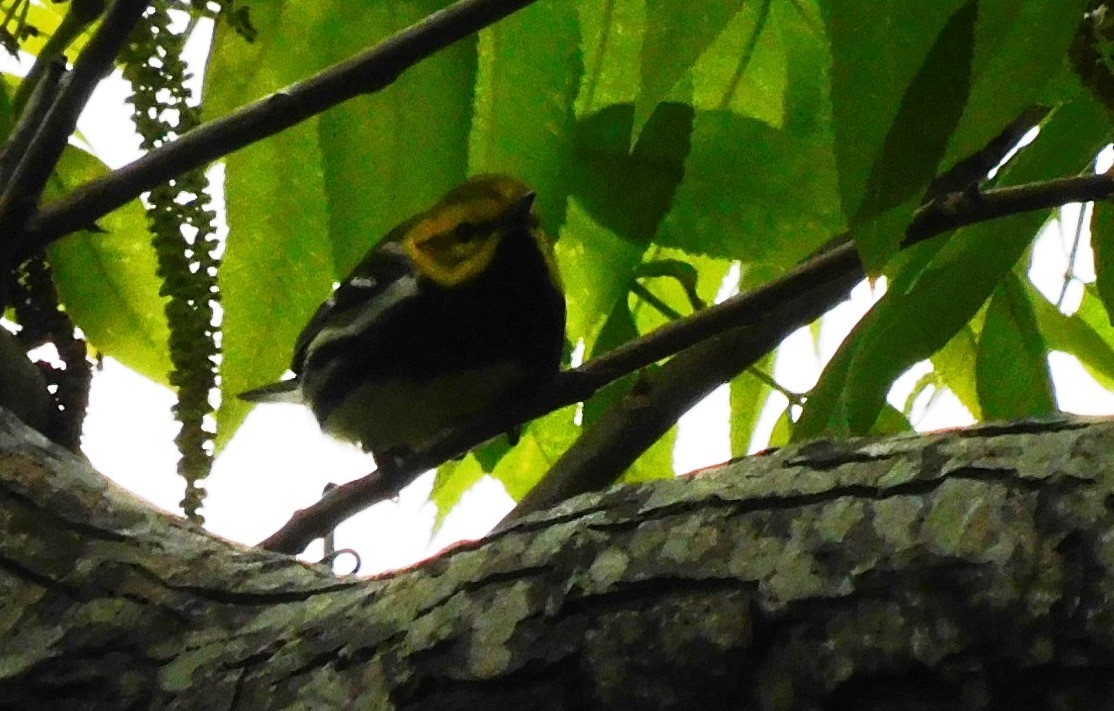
[(455, 311)]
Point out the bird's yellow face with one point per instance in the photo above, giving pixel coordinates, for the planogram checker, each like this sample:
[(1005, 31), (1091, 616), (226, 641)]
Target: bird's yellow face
[(456, 239), (456, 243)]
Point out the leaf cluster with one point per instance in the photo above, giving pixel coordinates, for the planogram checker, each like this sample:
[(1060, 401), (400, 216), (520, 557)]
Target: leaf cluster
[(680, 151)]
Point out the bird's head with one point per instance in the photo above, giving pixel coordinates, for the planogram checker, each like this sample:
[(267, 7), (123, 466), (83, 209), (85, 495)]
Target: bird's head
[(455, 240)]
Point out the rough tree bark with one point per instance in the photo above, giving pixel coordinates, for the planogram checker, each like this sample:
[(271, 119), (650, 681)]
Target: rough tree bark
[(961, 570)]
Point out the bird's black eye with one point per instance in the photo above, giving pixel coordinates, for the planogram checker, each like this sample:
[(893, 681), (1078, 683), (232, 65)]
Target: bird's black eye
[(466, 232)]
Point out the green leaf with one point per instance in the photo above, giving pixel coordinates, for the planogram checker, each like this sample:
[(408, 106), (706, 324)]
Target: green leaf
[(270, 243), (684, 273), (597, 267), (612, 32), (1012, 363), (747, 398), (938, 292), (925, 120), (778, 213), (915, 141), (489, 454), (1012, 68), (530, 70), (744, 70), (274, 195), (1102, 242), (782, 433), (1087, 334), (890, 421), (390, 154), (677, 33), (881, 52), (542, 443), (953, 366), (630, 190), (107, 280), (304, 205), (808, 102), (452, 481)]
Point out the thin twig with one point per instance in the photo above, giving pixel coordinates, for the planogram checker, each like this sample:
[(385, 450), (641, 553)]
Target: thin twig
[(746, 326), (365, 73), (80, 15), (1077, 239), (649, 297), (45, 149), (772, 383)]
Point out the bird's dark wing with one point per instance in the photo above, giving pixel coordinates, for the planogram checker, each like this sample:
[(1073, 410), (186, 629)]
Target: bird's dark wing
[(383, 266)]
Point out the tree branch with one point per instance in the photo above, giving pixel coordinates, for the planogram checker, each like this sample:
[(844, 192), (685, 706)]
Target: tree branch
[(742, 329), (31, 118), (22, 194), (973, 170), (968, 569), (603, 452), (365, 73), (607, 449)]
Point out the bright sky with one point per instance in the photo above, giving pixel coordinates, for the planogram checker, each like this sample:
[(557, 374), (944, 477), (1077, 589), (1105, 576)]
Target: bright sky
[(280, 461)]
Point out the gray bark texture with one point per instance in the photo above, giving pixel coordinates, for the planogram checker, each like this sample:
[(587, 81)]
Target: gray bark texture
[(961, 570)]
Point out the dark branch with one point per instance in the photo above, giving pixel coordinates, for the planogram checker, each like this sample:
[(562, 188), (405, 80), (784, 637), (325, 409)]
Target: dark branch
[(973, 170), (31, 118), (22, 194), (968, 207), (365, 73), (604, 451), (731, 336)]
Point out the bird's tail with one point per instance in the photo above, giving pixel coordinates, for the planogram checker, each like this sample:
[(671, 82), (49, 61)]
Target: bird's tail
[(282, 391)]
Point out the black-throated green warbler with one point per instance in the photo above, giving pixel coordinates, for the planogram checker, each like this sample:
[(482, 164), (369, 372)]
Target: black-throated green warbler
[(456, 310)]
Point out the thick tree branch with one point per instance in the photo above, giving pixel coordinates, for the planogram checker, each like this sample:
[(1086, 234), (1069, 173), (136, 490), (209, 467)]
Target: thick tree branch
[(35, 166), (365, 73), (962, 570), (746, 326)]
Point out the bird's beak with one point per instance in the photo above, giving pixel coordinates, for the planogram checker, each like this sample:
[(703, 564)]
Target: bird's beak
[(520, 211)]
